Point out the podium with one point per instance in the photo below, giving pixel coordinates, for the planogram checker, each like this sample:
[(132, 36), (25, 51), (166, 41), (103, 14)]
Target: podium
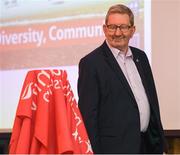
[(48, 120)]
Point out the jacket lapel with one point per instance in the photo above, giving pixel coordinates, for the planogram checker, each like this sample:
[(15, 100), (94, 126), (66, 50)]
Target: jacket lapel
[(116, 68), (139, 65)]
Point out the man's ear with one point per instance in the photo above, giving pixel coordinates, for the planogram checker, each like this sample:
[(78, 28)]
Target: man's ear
[(104, 28), (133, 30)]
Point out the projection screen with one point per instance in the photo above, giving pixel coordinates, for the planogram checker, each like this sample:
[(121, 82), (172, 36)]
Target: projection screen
[(46, 34)]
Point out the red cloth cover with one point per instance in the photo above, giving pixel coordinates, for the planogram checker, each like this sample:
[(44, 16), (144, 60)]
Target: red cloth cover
[(47, 118)]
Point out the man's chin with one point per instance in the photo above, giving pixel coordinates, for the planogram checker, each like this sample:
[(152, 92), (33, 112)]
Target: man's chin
[(121, 47), (118, 44)]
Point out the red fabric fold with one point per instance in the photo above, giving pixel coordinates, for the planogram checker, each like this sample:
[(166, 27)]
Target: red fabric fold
[(48, 120)]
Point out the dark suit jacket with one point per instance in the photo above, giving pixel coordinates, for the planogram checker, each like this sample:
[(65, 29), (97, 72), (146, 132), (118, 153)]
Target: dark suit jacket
[(108, 106)]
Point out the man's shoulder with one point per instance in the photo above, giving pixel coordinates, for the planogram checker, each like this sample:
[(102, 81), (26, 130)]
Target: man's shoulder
[(93, 55), (138, 52)]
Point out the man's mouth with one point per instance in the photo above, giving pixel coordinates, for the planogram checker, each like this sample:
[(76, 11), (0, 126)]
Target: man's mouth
[(119, 38)]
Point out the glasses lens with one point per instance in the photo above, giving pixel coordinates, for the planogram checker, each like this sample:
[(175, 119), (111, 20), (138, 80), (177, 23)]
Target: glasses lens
[(124, 28), (113, 27)]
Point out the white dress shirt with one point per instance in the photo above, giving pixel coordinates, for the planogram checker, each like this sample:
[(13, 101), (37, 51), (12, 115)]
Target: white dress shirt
[(131, 73)]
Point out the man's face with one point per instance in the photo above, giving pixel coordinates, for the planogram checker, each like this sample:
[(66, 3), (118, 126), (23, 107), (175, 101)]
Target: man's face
[(118, 37)]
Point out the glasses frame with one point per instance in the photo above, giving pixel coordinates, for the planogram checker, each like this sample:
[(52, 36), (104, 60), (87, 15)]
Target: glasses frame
[(123, 28)]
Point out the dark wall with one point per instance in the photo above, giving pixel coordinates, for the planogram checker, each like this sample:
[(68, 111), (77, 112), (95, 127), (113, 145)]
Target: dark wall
[(4, 142)]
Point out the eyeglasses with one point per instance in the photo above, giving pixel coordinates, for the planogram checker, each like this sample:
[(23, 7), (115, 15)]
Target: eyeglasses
[(124, 28)]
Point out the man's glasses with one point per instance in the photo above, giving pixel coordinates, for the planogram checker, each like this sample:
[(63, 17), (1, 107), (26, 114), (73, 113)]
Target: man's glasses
[(124, 28)]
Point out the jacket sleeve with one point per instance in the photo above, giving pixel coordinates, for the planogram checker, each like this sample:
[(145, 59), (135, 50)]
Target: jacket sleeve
[(88, 100), (153, 98)]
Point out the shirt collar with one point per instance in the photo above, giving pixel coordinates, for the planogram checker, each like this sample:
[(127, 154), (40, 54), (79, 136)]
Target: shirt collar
[(116, 52)]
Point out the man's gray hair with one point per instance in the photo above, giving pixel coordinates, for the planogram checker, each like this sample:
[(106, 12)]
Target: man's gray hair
[(121, 9)]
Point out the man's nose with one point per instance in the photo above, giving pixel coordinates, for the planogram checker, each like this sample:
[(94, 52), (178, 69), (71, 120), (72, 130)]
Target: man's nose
[(118, 31)]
